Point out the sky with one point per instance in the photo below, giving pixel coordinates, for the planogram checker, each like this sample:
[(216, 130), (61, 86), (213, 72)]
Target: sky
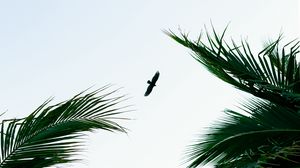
[(59, 48)]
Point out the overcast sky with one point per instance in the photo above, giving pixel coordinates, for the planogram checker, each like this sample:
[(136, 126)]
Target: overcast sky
[(61, 47)]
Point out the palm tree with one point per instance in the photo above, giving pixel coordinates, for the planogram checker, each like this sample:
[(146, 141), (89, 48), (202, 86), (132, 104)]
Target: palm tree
[(52, 134), (269, 135)]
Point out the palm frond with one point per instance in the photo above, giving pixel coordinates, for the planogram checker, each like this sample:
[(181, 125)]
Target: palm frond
[(268, 75), (239, 136), (50, 135)]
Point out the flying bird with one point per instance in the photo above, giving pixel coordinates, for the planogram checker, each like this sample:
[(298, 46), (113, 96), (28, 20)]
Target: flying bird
[(151, 83)]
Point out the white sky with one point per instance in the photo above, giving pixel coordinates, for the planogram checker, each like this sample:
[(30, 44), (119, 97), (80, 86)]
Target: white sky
[(61, 47)]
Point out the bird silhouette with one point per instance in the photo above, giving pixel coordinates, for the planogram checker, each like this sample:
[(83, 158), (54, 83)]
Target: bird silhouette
[(151, 84)]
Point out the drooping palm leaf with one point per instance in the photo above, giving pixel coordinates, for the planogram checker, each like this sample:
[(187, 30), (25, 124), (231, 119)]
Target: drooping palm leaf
[(239, 136), (50, 135), (268, 75)]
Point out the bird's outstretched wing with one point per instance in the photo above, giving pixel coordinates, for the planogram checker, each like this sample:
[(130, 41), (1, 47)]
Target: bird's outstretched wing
[(155, 77), (149, 90)]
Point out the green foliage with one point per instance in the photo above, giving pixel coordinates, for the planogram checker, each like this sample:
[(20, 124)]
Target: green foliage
[(52, 134), (269, 136)]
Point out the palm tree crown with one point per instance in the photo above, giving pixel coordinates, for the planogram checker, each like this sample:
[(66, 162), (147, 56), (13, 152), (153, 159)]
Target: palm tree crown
[(269, 136)]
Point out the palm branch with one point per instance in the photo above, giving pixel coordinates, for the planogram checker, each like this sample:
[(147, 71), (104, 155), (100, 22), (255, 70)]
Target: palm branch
[(269, 75), (244, 139), (52, 134), (272, 120)]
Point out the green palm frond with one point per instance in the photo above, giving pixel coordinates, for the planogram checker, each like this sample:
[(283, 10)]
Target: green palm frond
[(240, 137), (51, 135), (271, 125), (268, 75)]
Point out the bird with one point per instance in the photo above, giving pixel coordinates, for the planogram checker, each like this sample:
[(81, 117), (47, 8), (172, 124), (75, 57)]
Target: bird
[(151, 83)]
